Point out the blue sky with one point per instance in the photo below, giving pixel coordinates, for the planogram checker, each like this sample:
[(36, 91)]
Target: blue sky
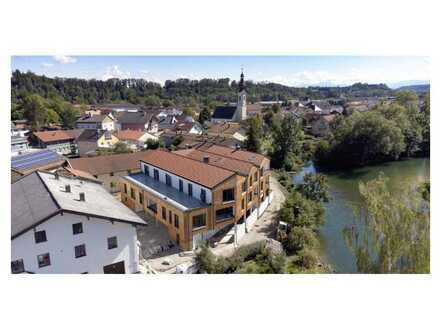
[(287, 70)]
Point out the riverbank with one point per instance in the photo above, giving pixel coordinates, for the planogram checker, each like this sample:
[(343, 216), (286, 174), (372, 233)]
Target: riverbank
[(302, 238), (344, 193), (264, 227)]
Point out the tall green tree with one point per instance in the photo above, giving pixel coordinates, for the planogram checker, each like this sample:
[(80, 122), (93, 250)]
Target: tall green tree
[(425, 122), (35, 110), (52, 117), (360, 139), (254, 134), (391, 232), (68, 115), (288, 138), (204, 115), (315, 187)]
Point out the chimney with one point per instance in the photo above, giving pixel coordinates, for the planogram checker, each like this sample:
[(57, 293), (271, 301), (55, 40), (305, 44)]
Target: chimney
[(206, 159), (82, 197), (57, 176), (67, 188)]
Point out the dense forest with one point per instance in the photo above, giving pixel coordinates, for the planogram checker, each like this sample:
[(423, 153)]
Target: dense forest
[(387, 132), (181, 92)]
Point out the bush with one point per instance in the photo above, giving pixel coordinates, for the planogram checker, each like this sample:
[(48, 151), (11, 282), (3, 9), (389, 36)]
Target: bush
[(305, 262), (207, 262), (308, 259), (300, 238)]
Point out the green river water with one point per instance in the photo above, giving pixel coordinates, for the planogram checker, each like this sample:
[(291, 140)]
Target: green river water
[(345, 193)]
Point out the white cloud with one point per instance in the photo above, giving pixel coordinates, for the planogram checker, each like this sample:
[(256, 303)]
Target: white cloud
[(348, 77), (47, 65), (63, 59), (149, 76), (114, 72), (326, 78)]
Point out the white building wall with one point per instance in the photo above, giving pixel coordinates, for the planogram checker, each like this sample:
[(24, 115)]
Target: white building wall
[(175, 183), (61, 245), (109, 126), (18, 147), (63, 148)]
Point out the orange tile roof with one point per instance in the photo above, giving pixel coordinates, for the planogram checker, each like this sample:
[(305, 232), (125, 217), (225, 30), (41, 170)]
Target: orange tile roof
[(234, 165), (128, 134), (192, 170), (224, 128), (107, 164), (60, 135), (239, 154), (81, 174)]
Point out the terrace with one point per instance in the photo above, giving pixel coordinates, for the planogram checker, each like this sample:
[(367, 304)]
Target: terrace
[(173, 196)]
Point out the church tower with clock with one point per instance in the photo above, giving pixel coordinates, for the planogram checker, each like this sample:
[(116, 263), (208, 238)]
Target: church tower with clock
[(240, 113)]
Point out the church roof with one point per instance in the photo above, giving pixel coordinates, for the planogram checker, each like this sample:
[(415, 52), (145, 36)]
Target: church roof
[(224, 112)]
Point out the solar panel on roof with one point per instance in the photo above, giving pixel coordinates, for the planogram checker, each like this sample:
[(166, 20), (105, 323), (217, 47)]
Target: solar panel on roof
[(35, 159)]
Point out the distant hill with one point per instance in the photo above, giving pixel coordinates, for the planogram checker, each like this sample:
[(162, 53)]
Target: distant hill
[(180, 92), (403, 83), (415, 88)]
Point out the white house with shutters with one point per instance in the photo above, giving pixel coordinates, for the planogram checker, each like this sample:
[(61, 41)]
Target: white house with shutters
[(64, 225)]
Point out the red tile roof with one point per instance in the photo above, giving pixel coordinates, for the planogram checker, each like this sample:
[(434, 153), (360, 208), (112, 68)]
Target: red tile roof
[(128, 134), (60, 135), (239, 154), (192, 170), (107, 164), (231, 164)]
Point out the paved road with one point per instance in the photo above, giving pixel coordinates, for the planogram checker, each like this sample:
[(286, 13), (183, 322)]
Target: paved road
[(264, 227)]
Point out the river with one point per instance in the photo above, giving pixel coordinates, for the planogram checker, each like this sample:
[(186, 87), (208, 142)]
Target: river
[(344, 194)]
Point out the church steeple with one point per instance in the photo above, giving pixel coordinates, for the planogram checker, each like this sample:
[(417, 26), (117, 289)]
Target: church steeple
[(240, 113), (241, 84)]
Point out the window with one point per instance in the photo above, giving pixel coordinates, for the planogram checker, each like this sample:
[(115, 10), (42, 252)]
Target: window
[(146, 170), (203, 195), (40, 236), (190, 189), (17, 266), (77, 228), (255, 192), (141, 198), (152, 206), (112, 242), (164, 213), (228, 195), (132, 194), (249, 196), (112, 174), (261, 172), (244, 186), (80, 251), (167, 180), (125, 188), (176, 221), (180, 185), (156, 174), (43, 260), (199, 221), (250, 182), (256, 176), (267, 192), (262, 185), (242, 203), (170, 217), (224, 214)]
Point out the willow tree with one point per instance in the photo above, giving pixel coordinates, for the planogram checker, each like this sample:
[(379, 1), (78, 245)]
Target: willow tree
[(391, 232)]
